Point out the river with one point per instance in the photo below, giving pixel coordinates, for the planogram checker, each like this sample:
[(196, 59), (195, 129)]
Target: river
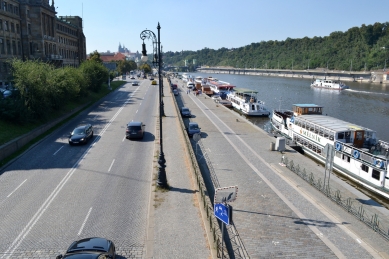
[(363, 104)]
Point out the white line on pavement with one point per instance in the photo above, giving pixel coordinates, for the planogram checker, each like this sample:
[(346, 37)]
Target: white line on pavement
[(58, 150), (16, 188), (113, 161), (83, 224)]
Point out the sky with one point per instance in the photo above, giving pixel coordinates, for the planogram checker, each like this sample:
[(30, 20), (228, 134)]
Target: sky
[(198, 24)]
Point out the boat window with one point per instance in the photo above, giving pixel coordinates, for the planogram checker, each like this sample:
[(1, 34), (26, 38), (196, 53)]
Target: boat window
[(365, 168), (376, 174), (253, 107), (340, 135), (346, 158), (331, 137)]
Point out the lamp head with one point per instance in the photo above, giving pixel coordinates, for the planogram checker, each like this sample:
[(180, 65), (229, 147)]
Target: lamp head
[(144, 52)]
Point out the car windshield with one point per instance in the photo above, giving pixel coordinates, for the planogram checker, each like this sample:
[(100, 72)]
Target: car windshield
[(193, 127), (78, 131), (185, 109), (134, 127)]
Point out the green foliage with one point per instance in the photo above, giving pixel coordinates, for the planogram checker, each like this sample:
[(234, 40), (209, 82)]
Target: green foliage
[(124, 66), (357, 47), (145, 67), (95, 56), (95, 74)]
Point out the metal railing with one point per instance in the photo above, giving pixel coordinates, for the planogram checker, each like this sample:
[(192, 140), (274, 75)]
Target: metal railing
[(349, 204)]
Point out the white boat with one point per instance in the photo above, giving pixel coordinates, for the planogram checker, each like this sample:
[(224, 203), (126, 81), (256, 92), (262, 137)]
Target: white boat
[(186, 77), (246, 101), (329, 84), (359, 155), (219, 87)]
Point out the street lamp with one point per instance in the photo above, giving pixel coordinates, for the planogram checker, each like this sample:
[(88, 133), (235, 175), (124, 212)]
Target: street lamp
[(157, 60)]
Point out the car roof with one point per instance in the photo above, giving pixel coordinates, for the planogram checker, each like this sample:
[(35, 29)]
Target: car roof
[(134, 123), (83, 126), (193, 123)]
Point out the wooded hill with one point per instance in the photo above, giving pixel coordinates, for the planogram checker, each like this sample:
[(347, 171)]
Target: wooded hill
[(357, 49)]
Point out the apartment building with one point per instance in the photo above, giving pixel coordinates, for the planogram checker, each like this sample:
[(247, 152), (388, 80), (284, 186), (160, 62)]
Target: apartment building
[(30, 29)]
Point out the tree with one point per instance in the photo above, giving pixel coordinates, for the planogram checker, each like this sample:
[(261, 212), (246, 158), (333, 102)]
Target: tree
[(95, 56), (95, 74), (145, 67), (124, 66)]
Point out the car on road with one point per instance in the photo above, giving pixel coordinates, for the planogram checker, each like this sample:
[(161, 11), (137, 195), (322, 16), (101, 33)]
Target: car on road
[(135, 130), (81, 134), (91, 248), (135, 83), (154, 82), (190, 85), (175, 92), (151, 78), (174, 86), (132, 77), (193, 128), (185, 112)]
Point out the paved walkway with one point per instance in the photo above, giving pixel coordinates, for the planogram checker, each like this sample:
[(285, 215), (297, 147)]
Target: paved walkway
[(277, 214), (178, 228)]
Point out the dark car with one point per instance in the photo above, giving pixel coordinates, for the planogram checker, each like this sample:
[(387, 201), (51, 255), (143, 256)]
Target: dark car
[(174, 86), (193, 128), (81, 134), (135, 129), (175, 92), (91, 248), (185, 112)]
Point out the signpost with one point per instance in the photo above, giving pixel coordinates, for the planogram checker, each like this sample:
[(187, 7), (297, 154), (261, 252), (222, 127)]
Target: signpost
[(329, 152), (221, 209)]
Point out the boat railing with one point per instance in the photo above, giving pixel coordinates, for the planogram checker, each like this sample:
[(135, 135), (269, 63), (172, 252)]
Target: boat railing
[(363, 154)]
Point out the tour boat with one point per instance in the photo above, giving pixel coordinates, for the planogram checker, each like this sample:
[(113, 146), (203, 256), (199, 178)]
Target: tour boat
[(329, 84), (218, 86), (358, 154), (246, 101)]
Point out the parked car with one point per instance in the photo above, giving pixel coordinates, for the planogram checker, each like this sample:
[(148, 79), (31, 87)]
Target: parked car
[(193, 128), (175, 92), (174, 86), (93, 248), (132, 77), (190, 85), (135, 129), (185, 112), (135, 83), (151, 78), (154, 82), (81, 134)]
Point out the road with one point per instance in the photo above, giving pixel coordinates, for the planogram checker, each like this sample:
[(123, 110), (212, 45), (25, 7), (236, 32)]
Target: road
[(55, 193)]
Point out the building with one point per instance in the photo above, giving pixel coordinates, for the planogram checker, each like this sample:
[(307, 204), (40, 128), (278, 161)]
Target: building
[(30, 29)]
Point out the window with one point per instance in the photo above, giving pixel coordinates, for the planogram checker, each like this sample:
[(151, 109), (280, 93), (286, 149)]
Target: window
[(28, 13), (6, 25), (346, 158), (17, 28), (13, 47), (5, 6), (12, 27), (10, 8), (2, 49), (365, 168), (29, 28), (19, 48), (1, 24), (8, 47), (376, 174), (16, 10)]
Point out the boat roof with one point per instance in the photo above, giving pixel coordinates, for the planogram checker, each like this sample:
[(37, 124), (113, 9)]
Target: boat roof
[(245, 91), (307, 105), (332, 123)]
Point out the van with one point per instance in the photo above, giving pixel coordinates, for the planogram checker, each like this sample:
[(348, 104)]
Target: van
[(190, 85)]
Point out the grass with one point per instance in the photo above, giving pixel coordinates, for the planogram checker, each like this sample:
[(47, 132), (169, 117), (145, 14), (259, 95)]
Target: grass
[(10, 131)]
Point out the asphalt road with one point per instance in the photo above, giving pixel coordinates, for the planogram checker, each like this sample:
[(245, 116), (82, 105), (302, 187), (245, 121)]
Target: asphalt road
[(55, 193)]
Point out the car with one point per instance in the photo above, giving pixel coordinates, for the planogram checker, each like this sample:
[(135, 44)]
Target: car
[(135, 83), (185, 112), (135, 130), (174, 86), (132, 77), (93, 248), (190, 85), (175, 92), (151, 78), (193, 128), (154, 82), (81, 134)]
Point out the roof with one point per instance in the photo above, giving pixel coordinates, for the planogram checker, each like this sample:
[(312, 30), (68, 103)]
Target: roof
[(306, 105), (245, 91), (112, 57)]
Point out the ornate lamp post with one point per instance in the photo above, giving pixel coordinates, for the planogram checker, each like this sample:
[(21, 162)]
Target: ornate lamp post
[(157, 60)]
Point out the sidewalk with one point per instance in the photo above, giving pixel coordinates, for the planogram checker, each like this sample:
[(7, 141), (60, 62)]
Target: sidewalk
[(178, 229)]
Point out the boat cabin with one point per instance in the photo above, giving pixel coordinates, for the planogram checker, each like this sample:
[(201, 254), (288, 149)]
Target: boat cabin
[(301, 109)]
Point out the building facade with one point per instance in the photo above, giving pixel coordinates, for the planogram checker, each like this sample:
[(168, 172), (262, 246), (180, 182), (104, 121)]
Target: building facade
[(30, 29)]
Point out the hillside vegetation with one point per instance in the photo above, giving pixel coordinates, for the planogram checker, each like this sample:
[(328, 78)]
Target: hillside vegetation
[(357, 49)]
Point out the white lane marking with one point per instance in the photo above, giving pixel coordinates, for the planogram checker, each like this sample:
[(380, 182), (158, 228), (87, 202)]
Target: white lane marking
[(58, 150), (26, 230), (113, 161), (95, 117), (136, 111), (123, 138), (16, 188), (83, 224)]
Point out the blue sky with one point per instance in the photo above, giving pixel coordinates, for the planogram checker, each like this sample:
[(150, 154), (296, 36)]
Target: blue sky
[(198, 24)]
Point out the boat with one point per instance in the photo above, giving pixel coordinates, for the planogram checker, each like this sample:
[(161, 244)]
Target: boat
[(329, 84), (218, 86), (246, 101), (186, 77), (358, 154)]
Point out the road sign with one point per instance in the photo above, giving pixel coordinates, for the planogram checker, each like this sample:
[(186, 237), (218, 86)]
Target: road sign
[(196, 137), (223, 212), (226, 194)]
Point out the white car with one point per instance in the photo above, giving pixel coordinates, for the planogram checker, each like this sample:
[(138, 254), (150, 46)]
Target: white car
[(190, 85)]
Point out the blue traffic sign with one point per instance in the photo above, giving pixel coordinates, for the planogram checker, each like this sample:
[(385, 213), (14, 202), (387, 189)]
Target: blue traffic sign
[(223, 212)]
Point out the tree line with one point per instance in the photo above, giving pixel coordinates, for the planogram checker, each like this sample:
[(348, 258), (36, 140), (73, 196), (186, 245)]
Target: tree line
[(358, 49)]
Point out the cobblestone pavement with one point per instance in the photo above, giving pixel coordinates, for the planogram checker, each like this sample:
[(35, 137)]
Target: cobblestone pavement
[(178, 228), (277, 214)]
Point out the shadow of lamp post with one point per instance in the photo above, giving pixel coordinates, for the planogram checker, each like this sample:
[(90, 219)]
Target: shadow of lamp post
[(157, 61)]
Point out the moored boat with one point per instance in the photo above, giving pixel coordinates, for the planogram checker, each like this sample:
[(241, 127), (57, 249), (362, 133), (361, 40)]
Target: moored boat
[(218, 86), (358, 154), (246, 101), (329, 84)]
